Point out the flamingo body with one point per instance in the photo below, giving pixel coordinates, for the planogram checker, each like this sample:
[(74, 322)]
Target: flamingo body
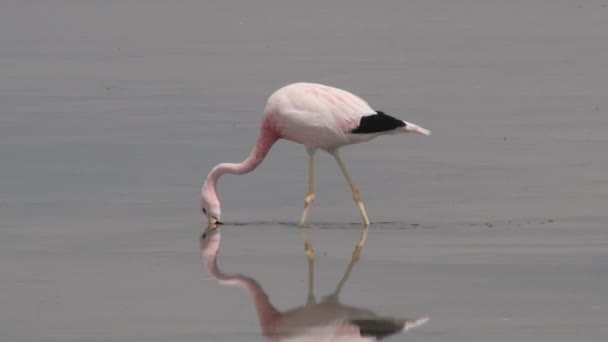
[(323, 117), (317, 116)]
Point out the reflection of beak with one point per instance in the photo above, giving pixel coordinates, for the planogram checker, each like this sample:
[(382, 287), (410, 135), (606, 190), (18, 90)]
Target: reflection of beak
[(209, 230)]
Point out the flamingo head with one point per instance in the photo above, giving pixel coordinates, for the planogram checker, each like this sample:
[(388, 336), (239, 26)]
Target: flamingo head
[(210, 205)]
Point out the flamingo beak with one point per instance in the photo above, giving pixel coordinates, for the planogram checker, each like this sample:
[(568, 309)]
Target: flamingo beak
[(212, 223)]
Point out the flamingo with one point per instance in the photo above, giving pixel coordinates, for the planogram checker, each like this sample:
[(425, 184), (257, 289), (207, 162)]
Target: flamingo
[(326, 320), (320, 117)]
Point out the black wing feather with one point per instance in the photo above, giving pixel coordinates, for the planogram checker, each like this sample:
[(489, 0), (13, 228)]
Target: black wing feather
[(377, 328), (377, 123)]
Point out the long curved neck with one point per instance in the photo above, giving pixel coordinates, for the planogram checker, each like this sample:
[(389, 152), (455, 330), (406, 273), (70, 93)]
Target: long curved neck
[(267, 313), (266, 139)]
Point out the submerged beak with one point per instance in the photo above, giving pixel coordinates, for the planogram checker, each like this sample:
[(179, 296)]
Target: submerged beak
[(212, 225), (413, 128), (213, 222)]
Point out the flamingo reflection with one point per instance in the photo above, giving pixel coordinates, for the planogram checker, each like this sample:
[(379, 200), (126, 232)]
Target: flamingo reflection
[(325, 320)]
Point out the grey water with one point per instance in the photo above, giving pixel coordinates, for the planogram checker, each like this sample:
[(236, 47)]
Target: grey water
[(112, 112)]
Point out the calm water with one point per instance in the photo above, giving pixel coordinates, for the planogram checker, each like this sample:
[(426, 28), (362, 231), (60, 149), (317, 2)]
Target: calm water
[(112, 113)]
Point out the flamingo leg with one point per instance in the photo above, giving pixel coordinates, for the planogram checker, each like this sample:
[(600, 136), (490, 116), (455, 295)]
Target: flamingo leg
[(310, 253), (353, 188), (310, 196)]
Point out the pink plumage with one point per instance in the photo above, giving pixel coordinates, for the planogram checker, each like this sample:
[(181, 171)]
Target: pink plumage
[(318, 117)]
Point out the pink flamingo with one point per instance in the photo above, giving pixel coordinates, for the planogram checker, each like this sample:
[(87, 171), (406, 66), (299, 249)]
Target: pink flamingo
[(318, 117), (327, 320)]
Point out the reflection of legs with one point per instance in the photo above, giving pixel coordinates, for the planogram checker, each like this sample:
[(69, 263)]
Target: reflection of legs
[(310, 253), (310, 299), (353, 188), (353, 260)]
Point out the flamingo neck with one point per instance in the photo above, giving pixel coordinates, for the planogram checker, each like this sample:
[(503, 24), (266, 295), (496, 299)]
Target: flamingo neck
[(266, 139), (267, 313)]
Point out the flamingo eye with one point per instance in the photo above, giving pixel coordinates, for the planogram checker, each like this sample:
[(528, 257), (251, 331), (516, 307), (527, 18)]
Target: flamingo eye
[(204, 211)]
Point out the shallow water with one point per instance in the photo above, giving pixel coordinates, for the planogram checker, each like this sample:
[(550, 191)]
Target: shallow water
[(112, 113), (542, 281)]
